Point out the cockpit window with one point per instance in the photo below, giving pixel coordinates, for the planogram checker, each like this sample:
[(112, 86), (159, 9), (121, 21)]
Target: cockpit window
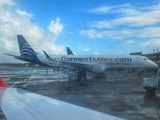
[(145, 58)]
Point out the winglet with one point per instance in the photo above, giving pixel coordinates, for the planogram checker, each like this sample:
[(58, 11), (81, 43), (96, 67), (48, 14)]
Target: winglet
[(47, 56), (2, 83)]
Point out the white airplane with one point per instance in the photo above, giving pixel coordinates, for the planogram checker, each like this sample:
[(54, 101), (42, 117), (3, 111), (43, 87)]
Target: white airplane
[(97, 64), (20, 104), (69, 52)]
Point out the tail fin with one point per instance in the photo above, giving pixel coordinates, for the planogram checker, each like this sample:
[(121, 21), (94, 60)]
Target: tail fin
[(69, 52), (25, 48), (47, 56), (2, 83)]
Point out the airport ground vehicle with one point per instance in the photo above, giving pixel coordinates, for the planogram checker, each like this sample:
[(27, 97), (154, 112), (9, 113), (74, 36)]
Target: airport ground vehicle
[(152, 84)]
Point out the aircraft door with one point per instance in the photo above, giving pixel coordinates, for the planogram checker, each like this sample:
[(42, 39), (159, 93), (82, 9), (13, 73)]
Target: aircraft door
[(137, 60)]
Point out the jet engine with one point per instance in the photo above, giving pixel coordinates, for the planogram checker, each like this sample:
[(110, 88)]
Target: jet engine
[(98, 69)]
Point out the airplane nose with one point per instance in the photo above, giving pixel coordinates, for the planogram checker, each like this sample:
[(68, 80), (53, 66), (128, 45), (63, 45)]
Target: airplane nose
[(154, 65)]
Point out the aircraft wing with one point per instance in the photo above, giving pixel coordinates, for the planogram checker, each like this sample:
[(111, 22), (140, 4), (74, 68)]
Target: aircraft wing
[(77, 64), (18, 104)]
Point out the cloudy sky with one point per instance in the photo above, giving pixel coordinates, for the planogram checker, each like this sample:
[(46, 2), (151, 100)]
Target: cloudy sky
[(101, 27)]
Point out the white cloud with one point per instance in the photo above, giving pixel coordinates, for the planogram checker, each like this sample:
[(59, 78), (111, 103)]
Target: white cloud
[(101, 24), (56, 49), (142, 19), (118, 53), (13, 21), (24, 13), (146, 32), (126, 11), (55, 27), (108, 9), (83, 49), (134, 19), (128, 16), (128, 43), (114, 34), (86, 49), (129, 22), (96, 53), (151, 43), (91, 33), (6, 2), (149, 32), (100, 10)]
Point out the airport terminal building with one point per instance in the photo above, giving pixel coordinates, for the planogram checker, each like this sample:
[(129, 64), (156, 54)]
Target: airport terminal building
[(155, 56)]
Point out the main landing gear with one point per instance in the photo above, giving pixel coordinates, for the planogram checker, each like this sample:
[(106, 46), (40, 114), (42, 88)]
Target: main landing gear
[(81, 75)]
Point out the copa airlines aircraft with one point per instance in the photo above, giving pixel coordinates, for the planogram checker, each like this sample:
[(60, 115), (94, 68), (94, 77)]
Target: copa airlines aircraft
[(97, 64)]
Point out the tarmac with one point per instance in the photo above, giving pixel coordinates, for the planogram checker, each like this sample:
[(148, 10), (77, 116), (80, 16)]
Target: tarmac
[(118, 93)]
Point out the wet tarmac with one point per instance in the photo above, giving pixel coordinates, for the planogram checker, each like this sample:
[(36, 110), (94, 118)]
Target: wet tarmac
[(119, 94)]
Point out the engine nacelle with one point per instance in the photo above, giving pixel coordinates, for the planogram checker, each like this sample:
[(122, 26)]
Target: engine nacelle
[(98, 69)]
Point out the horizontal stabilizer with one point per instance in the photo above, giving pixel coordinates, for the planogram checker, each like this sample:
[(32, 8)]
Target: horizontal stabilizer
[(9, 54), (17, 57)]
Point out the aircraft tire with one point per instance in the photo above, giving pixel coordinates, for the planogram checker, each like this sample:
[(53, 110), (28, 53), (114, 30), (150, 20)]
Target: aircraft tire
[(79, 73), (84, 73), (79, 77), (139, 74)]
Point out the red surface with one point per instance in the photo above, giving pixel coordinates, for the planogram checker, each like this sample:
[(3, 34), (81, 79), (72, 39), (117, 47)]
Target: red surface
[(2, 83), (3, 87)]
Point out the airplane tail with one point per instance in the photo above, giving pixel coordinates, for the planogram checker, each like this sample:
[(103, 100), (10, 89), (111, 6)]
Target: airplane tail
[(69, 52), (25, 48)]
